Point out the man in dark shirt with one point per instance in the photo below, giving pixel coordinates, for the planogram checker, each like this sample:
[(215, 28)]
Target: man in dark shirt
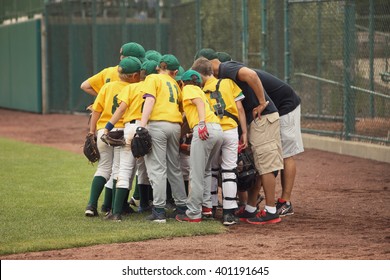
[(287, 103), (264, 135)]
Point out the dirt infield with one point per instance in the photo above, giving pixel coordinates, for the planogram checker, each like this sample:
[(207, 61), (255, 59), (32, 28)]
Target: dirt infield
[(340, 205)]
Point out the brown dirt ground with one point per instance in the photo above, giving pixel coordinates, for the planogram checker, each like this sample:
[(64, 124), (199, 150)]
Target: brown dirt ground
[(339, 201)]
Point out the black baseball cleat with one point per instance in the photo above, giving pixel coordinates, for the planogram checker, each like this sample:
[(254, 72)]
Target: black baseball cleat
[(113, 217), (230, 219), (91, 211)]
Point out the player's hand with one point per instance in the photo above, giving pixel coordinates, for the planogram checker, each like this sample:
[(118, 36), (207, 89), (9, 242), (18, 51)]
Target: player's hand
[(243, 144), (258, 110), (202, 131)]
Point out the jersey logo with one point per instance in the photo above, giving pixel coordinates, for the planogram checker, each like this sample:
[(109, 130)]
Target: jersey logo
[(115, 104), (219, 107)]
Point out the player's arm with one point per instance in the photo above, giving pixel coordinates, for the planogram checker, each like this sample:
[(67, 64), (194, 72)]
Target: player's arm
[(86, 86), (250, 77), (116, 117), (94, 119), (198, 102), (147, 110), (242, 120)]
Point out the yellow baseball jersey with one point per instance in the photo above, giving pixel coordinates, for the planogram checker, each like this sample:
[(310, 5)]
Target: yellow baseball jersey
[(191, 92), (229, 94), (98, 80), (132, 96), (167, 93), (106, 103)]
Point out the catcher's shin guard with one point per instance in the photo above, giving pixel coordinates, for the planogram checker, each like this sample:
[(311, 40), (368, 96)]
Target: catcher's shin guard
[(214, 186), (229, 188)]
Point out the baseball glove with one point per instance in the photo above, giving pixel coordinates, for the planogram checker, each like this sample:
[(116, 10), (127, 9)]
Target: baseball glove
[(246, 170), (114, 138), (90, 148), (185, 144), (141, 143)]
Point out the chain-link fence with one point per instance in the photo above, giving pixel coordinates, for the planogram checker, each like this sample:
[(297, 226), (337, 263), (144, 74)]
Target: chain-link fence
[(336, 54), (84, 37), (339, 66)]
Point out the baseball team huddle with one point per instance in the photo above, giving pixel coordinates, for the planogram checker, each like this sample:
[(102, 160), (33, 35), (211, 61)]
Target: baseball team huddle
[(192, 142)]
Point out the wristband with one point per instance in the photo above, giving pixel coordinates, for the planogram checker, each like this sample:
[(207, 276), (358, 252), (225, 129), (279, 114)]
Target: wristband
[(109, 126)]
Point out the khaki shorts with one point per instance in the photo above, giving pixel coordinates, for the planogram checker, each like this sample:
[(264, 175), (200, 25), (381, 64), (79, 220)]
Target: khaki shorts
[(264, 138), (290, 133)]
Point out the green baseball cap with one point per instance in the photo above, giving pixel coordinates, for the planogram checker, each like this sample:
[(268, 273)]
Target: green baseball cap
[(153, 55), (129, 65), (150, 67), (180, 73), (133, 49), (171, 61), (208, 53), (224, 56), (191, 75)]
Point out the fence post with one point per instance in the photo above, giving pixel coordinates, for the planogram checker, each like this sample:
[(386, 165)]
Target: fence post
[(70, 59), (123, 21), (198, 26), (245, 31), (371, 37), (94, 38), (264, 51), (286, 43), (235, 29), (319, 57), (349, 38), (45, 59)]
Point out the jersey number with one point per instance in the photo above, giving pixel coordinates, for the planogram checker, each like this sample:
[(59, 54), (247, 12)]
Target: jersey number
[(171, 95)]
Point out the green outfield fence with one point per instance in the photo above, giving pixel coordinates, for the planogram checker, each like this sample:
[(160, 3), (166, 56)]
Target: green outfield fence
[(336, 54)]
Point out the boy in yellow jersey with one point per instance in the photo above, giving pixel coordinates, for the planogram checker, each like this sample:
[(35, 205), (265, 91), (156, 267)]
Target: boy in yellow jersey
[(93, 85), (162, 117), (129, 110), (103, 109), (143, 184), (225, 97), (206, 142)]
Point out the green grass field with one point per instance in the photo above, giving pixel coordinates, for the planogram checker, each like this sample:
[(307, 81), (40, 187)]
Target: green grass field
[(44, 192)]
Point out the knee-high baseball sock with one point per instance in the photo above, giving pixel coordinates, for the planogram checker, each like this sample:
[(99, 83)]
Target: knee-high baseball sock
[(97, 186), (186, 186), (107, 198), (136, 194), (125, 201), (120, 199), (144, 195), (169, 192), (113, 193), (150, 193)]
